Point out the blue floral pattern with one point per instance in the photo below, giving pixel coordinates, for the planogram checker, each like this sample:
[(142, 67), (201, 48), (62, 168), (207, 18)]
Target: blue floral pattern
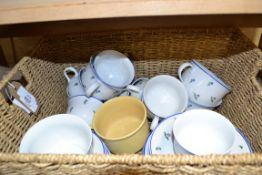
[(192, 80), (210, 83), (158, 148), (196, 96), (213, 99), (167, 135)]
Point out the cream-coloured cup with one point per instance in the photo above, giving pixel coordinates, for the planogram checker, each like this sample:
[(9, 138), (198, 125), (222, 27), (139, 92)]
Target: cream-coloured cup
[(122, 124)]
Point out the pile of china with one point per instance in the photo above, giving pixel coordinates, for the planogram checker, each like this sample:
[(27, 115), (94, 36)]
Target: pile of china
[(109, 111)]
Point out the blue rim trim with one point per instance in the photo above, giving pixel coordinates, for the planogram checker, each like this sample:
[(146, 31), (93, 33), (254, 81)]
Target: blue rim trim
[(118, 88), (150, 151), (218, 80), (144, 146), (245, 139)]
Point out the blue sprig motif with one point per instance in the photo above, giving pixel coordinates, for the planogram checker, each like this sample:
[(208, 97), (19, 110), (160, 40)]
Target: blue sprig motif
[(85, 101), (167, 135), (196, 96), (115, 92), (189, 106), (92, 77), (97, 91), (158, 148), (71, 109), (213, 99), (76, 84), (192, 80), (210, 83)]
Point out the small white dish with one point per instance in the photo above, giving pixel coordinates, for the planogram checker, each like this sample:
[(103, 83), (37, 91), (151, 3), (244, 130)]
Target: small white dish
[(161, 139), (98, 146), (58, 134)]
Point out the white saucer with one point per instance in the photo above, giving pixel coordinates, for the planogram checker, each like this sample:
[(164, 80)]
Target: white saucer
[(98, 146), (145, 150), (160, 140)]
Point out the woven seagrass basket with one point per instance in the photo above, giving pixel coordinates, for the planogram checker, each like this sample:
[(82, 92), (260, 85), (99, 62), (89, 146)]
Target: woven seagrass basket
[(225, 51)]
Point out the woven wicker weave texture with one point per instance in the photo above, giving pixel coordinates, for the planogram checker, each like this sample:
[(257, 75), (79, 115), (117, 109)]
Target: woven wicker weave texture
[(47, 84), (144, 44)]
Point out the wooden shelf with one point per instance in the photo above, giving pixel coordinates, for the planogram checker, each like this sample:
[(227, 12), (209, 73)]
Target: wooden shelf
[(31, 11)]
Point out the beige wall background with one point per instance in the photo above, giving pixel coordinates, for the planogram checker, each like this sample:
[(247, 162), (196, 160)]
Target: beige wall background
[(15, 48)]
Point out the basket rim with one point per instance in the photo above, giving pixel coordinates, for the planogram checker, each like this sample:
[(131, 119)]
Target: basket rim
[(134, 159)]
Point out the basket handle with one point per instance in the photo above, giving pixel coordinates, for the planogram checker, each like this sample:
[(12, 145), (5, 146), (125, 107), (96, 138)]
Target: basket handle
[(16, 74)]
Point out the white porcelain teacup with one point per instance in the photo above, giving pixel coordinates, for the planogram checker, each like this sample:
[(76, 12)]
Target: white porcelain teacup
[(164, 96), (83, 107), (202, 132), (107, 75), (58, 134), (74, 87), (203, 86)]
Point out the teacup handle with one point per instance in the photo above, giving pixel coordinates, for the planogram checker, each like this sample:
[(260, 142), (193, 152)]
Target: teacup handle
[(92, 89), (133, 88), (154, 123), (70, 70), (182, 67)]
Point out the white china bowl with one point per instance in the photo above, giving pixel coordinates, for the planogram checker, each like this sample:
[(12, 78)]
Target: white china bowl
[(58, 134), (165, 95), (202, 132)]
